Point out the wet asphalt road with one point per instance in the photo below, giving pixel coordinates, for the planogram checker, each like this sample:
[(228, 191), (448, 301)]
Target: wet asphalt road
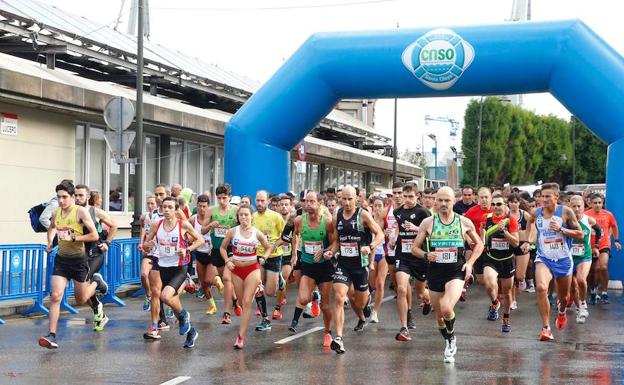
[(582, 354)]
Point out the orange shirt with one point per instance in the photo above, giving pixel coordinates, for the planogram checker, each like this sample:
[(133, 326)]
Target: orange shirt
[(606, 221)]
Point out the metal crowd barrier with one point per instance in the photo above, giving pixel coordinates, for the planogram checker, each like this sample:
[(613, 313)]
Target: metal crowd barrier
[(24, 274)]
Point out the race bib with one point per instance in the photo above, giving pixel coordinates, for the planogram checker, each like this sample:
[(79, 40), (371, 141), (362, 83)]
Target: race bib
[(313, 247), (349, 249), (220, 232), (246, 248), (168, 251), (446, 255), (406, 245), (578, 250), (553, 245), (500, 244)]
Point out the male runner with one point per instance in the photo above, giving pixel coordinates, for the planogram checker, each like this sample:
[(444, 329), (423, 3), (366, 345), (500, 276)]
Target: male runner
[(151, 204), (286, 210), (71, 261), (354, 226), (440, 240), (96, 250), (466, 203), (556, 226), (477, 215)]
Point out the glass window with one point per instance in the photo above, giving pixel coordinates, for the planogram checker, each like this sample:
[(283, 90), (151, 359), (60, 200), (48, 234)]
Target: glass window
[(334, 178), (193, 171), (116, 186), (356, 179), (208, 159), (176, 161), (348, 179), (220, 170), (151, 163), (80, 153), (326, 177), (341, 178), (314, 178), (97, 160)]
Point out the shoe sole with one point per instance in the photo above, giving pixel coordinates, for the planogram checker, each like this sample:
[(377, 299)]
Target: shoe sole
[(545, 339), (263, 330), (292, 330), (400, 337), (100, 325), (335, 347), (47, 344), (150, 337), (449, 360)]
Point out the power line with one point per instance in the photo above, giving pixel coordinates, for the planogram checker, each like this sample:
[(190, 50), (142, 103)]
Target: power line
[(274, 8)]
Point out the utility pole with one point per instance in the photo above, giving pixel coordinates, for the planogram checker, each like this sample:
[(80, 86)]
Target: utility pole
[(138, 176), (479, 141), (394, 148)]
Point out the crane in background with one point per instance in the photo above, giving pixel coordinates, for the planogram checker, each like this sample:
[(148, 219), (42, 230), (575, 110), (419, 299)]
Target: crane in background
[(447, 119)]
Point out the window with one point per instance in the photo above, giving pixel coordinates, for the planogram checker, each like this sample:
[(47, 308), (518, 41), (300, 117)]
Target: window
[(375, 178), (97, 155), (356, 179), (341, 178), (152, 176), (192, 166), (176, 151), (220, 169), (348, 179), (315, 180), (80, 153), (208, 167)]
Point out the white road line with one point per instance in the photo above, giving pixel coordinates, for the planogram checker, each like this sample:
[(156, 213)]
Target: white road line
[(177, 380), (388, 298), (298, 335)]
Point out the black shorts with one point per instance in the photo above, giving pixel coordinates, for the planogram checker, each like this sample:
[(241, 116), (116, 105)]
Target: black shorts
[(319, 272), (477, 268), (286, 260), (215, 257), (439, 274), (413, 266), (96, 260), (606, 250), (517, 251), (173, 276), (347, 275), (505, 268), (532, 254), (203, 258), (153, 259), (273, 264), (391, 260), (72, 268)]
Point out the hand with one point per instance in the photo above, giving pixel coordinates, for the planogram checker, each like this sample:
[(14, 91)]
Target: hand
[(525, 247), (365, 250), (431, 257), (501, 226), (103, 247), (262, 261), (213, 224), (182, 252), (409, 226), (554, 225), (327, 255), (65, 236), (468, 269), (49, 248), (317, 256), (595, 252), (147, 246), (618, 246), (230, 265), (371, 267), (293, 260)]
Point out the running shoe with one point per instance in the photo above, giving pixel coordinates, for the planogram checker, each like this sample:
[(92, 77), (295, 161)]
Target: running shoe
[(307, 311), (48, 342), (570, 302), (277, 314), (337, 345), (410, 321), (426, 309), (450, 350), (163, 325), (240, 342), (315, 309), (169, 313), (604, 297), (185, 322), (238, 310), (212, 307), (530, 287), (327, 339), (593, 298), (189, 285), (367, 309), (264, 326), (191, 336), (360, 325), (147, 304), (374, 318), (227, 319), (522, 286), (403, 335), (514, 305), (293, 326), (583, 309), (561, 321), (98, 326), (281, 283), (546, 334), (200, 294), (580, 319), (506, 326), (552, 300), (282, 302), (493, 312), (219, 284), (102, 286), (152, 334), (99, 312)]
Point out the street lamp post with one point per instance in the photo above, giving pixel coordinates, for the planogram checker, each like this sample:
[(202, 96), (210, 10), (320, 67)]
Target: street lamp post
[(435, 141)]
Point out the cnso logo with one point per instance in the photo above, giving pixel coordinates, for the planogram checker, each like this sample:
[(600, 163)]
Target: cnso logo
[(438, 58)]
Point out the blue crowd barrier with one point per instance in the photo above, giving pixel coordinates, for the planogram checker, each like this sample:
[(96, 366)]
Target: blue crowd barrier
[(124, 267), (22, 275)]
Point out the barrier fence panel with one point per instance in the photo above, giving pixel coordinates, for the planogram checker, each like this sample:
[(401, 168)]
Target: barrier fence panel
[(110, 272), (124, 264), (22, 275)]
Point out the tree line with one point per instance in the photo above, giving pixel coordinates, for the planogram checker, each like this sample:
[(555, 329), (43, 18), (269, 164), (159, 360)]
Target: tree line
[(521, 147)]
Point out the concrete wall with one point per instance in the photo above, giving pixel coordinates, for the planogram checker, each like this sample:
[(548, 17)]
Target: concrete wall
[(31, 165)]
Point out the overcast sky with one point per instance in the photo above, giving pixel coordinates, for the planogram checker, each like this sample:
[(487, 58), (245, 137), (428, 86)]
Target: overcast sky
[(254, 37)]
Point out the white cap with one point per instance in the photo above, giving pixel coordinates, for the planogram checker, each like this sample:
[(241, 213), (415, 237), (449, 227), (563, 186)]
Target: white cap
[(235, 200)]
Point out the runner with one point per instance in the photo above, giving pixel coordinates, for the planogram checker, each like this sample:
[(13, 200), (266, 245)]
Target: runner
[(409, 217), (168, 238), (271, 224), (379, 272), (500, 235), (466, 202), (391, 233), (223, 218), (354, 227), (244, 263), (446, 232), (609, 226), (287, 211), (317, 233), (521, 253), (477, 215), (96, 250), (206, 271), (582, 252), (71, 261), (146, 263), (556, 225), (428, 200)]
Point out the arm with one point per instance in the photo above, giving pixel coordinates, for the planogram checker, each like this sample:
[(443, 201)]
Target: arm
[(598, 234), (112, 228), (223, 249), (423, 231), (368, 221), (197, 238), (51, 235), (511, 232), (332, 237), (336, 245), (46, 216), (268, 248), (142, 232), (295, 240), (85, 218), (573, 229), (616, 234), (472, 235)]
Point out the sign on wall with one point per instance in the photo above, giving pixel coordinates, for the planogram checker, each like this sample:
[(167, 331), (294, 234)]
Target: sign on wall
[(8, 124)]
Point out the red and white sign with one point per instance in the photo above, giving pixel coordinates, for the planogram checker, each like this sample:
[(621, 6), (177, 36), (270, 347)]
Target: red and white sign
[(301, 151), (8, 124)]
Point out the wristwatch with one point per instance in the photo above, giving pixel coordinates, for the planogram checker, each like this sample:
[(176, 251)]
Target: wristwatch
[(73, 237)]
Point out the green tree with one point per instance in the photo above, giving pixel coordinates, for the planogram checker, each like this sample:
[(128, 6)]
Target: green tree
[(591, 154)]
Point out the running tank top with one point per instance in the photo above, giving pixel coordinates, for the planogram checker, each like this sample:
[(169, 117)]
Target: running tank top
[(522, 222), (244, 249), (226, 222), (446, 242), (169, 243), (496, 245), (352, 236), (313, 240), (391, 223), (551, 244), (207, 246), (155, 217), (581, 249), (67, 226)]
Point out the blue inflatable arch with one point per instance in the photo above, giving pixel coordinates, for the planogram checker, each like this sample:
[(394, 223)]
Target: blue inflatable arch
[(565, 58)]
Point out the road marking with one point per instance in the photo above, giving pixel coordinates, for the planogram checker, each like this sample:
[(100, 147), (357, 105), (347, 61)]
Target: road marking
[(291, 338), (177, 380)]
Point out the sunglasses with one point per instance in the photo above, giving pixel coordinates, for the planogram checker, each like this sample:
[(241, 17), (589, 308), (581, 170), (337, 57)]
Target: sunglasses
[(498, 204)]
